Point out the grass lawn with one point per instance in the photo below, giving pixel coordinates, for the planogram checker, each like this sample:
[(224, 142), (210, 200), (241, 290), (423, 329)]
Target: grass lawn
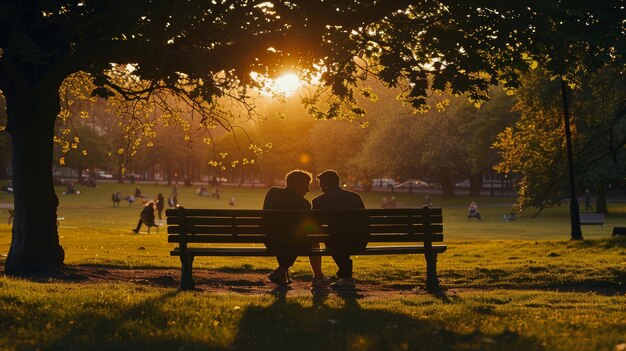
[(518, 285)]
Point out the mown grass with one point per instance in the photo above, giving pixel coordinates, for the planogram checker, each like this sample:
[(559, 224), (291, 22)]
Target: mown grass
[(511, 286), (129, 317)]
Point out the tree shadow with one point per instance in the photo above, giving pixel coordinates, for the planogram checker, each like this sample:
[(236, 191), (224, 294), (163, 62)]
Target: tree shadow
[(344, 324), (117, 329)]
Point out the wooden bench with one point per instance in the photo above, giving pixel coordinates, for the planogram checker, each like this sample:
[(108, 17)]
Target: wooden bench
[(592, 218), (619, 231), (405, 231), (12, 215)]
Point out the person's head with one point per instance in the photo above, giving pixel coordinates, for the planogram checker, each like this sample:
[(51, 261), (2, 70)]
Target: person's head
[(328, 179), (298, 181), (150, 203)]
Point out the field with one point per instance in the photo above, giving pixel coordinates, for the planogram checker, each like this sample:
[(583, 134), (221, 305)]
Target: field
[(518, 285)]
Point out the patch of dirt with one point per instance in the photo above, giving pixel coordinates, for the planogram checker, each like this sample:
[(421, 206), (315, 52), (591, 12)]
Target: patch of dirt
[(211, 281), (255, 283)]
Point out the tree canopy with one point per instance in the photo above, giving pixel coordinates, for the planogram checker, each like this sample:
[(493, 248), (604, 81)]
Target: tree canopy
[(198, 53)]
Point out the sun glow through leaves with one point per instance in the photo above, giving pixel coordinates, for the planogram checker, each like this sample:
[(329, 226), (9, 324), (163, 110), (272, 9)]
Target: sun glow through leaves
[(285, 85)]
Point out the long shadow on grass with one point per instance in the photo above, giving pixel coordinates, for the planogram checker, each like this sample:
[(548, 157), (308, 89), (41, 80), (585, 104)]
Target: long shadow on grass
[(288, 325), (103, 326)]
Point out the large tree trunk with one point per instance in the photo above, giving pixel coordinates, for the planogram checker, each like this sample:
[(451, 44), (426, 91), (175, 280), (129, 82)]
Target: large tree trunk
[(35, 248), (447, 185), (476, 183)]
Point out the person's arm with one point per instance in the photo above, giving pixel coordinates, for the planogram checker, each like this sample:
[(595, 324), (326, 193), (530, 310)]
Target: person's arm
[(269, 199), (359, 201)]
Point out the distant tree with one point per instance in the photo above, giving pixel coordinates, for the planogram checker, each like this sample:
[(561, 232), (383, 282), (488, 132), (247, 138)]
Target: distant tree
[(535, 146), (288, 145), (479, 128), (90, 152)]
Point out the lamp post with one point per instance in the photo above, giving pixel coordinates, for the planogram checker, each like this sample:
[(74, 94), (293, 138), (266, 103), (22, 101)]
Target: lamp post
[(573, 204)]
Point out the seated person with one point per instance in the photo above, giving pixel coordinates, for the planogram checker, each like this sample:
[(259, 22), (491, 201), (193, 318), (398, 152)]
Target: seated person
[(146, 216), (472, 212), (9, 187), (334, 197), (70, 188), (384, 203), (116, 198), (290, 197), (512, 215), (216, 193)]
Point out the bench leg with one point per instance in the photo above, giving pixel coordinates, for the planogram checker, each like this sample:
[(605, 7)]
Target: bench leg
[(432, 282), (186, 275)]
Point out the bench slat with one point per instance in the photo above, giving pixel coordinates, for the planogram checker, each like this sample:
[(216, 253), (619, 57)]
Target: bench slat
[(178, 212), (592, 218), (259, 239), (288, 230), (207, 220), (259, 251)]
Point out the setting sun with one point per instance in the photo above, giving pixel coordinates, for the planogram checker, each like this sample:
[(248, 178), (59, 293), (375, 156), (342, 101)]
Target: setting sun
[(285, 85), (288, 83)]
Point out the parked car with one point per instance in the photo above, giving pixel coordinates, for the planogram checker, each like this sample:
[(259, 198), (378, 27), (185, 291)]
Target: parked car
[(383, 182), (220, 179), (415, 184), (463, 184), (104, 175)]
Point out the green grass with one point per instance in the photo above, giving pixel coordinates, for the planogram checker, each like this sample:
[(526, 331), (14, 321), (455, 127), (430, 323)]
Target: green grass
[(511, 286)]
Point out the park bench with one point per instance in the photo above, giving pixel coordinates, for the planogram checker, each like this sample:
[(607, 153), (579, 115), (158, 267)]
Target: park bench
[(223, 232), (12, 215), (619, 231), (592, 218)]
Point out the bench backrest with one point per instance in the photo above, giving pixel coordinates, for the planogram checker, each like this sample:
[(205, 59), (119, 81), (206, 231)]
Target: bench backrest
[(591, 217), (260, 226)]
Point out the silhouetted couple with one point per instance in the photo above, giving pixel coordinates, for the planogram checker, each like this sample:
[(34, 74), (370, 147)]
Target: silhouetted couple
[(333, 197)]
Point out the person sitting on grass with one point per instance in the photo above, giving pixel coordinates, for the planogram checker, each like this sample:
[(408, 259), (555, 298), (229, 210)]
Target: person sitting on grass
[(146, 216), (472, 212), (116, 198)]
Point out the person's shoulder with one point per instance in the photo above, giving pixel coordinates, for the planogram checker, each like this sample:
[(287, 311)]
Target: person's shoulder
[(320, 198), (273, 191), (351, 193)]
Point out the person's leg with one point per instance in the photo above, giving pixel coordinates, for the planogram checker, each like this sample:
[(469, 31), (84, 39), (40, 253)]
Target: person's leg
[(344, 265), (280, 275), (136, 230), (285, 262), (316, 266)]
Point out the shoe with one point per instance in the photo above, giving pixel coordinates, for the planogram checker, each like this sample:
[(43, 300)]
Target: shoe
[(322, 282), (344, 283), (279, 277), (135, 231)]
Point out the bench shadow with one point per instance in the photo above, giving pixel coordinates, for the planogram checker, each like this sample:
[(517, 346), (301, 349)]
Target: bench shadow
[(337, 321)]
